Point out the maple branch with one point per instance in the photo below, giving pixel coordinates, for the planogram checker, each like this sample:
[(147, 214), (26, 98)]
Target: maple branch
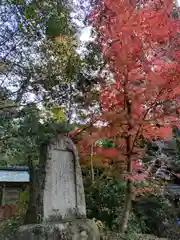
[(8, 106), (11, 106), (153, 105), (84, 129)]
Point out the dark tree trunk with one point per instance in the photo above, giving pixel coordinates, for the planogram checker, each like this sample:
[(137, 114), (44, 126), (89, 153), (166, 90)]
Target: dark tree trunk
[(129, 186), (127, 207), (31, 215)]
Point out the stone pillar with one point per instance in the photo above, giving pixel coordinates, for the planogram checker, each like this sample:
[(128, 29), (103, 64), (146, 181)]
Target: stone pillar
[(63, 210)]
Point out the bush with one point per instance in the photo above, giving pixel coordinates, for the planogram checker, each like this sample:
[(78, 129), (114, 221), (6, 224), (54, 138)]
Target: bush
[(130, 236), (151, 212), (8, 228), (105, 200)]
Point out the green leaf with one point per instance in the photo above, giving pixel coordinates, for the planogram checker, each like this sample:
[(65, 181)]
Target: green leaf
[(30, 12), (59, 115)]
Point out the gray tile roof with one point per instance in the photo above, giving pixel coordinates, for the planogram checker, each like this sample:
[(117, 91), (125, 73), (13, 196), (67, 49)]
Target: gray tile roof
[(14, 175)]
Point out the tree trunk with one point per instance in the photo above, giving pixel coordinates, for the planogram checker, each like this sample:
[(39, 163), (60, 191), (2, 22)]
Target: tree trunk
[(92, 167), (127, 207), (129, 186), (31, 216)]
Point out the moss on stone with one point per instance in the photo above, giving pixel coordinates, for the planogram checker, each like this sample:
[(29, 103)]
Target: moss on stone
[(73, 230)]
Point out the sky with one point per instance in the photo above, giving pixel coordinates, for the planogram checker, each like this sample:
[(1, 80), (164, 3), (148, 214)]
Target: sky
[(85, 34)]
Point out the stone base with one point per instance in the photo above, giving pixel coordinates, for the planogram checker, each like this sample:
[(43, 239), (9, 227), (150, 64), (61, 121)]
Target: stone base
[(79, 229)]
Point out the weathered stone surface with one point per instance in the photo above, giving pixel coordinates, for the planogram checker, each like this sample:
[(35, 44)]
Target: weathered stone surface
[(63, 196), (72, 230), (61, 199)]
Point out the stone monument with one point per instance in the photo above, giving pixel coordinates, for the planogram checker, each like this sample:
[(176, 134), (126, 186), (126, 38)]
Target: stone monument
[(62, 200), (63, 193)]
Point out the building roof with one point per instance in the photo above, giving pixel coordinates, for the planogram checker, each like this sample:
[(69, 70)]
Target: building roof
[(14, 174)]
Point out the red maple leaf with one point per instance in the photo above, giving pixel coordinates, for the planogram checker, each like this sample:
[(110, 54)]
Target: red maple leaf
[(74, 132), (137, 165), (110, 153), (136, 45)]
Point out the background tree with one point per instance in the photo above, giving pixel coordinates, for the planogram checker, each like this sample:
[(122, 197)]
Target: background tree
[(39, 80), (38, 54)]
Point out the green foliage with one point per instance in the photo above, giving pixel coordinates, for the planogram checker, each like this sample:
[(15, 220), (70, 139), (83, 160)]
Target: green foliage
[(58, 25), (8, 228), (105, 143), (30, 11), (37, 63), (103, 201), (151, 213), (23, 200), (27, 133), (130, 236), (176, 140)]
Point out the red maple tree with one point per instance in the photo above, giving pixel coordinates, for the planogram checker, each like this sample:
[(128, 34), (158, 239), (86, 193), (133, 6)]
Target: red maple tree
[(140, 94)]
